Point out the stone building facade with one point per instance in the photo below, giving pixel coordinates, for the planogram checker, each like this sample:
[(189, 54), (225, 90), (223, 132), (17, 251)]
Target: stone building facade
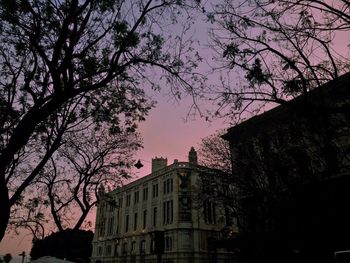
[(160, 218)]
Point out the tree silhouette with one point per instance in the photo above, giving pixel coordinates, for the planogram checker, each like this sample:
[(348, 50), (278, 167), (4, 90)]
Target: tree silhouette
[(69, 244), (269, 52), (7, 258), (214, 152), (95, 54)]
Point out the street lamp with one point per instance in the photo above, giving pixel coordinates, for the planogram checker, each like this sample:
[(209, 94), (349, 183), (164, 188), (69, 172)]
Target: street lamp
[(138, 165)]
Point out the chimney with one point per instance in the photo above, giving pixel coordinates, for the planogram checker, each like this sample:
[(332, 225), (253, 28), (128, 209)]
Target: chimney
[(192, 156), (159, 163)]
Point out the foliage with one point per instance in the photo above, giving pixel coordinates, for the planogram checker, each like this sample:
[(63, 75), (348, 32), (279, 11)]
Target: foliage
[(90, 160), (65, 61), (214, 152), (219, 186), (272, 51), (289, 177), (67, 188), (7, 258), (68, 244), (29, 213), (268, 53)]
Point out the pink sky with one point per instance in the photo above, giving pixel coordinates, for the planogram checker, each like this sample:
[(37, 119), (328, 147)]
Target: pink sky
[(165, 133)]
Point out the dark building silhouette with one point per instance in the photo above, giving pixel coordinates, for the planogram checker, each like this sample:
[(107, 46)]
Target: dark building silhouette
[(291, 167)]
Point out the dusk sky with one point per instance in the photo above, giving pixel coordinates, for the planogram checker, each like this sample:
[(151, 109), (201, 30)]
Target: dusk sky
[(165, 133)]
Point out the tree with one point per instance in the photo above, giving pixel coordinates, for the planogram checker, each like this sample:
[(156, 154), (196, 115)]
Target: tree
[(273, 51), (95, 54), (268, 53), (282, 181), (69, 244), (90, 160), (221, 186), (30, 215), (68, 187), (7, 258), (278, 51), (284, 167), (214, 152)]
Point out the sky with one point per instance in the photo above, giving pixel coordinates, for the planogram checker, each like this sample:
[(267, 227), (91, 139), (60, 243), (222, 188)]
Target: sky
[(165, 134)]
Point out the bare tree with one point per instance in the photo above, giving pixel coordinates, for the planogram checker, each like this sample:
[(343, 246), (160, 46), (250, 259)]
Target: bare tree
[(214, 152), (67, 187), (220, 186), (269, 52), (87, 161)]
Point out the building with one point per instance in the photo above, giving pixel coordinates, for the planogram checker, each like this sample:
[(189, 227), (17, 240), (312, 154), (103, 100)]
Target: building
[(294, 168), (161, 217)]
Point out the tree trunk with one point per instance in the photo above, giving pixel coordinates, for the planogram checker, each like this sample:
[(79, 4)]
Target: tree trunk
[(4, 207), (19, 138)]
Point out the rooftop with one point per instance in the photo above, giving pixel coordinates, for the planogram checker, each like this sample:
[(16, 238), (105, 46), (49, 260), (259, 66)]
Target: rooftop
[(327, 92)]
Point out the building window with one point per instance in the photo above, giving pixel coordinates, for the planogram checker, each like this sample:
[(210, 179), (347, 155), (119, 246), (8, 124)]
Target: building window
[(168, 212), (144, 218), (126, 223), (136, 197), (153, 246), (135, 221), (168, 243), (155, 190), (143, 246), (116, 249), (133, 246), (102, 227), (209, 212), (117, 224), (211, 244), (128, 198), (110, 225), (125, 248), (228, 218), (120, 202), (168, 186), (155, 216), (145, 194), (99, 251), (108, 250)]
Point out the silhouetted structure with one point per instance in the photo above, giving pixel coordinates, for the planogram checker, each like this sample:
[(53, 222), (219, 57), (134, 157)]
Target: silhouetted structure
[(74, 245), (291, 167)]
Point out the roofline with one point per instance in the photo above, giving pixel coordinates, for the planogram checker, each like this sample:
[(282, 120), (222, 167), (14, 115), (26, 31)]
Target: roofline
[(162, 171), (280, 109)]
